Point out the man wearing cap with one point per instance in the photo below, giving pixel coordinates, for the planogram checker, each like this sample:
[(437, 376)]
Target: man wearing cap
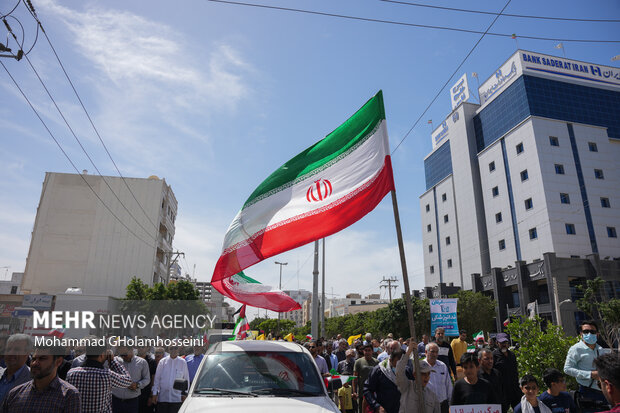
[(505, 362), (409, 390)]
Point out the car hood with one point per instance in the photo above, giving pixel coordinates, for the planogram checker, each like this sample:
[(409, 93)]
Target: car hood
[(258, 404)]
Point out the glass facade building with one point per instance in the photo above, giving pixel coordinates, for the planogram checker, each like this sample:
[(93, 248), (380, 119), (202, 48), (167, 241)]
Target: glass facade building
[(438, 165), (547, 98)]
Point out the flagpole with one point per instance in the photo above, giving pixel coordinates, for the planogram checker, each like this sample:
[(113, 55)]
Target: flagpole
[(315, 293), (403, 264), (322, 308)]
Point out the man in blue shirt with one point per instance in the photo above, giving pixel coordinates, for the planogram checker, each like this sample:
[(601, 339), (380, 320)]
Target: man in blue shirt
[(580, 362), (193, 361), (556, 397), (18, 348)]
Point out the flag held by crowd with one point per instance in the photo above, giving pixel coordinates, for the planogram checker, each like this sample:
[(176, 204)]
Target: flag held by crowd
[(322, 190)]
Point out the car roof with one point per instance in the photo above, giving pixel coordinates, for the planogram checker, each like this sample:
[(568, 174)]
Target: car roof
[(257, 345)]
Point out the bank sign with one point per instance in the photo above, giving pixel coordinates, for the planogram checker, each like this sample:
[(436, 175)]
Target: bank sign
[(459, 92), (524, 62)]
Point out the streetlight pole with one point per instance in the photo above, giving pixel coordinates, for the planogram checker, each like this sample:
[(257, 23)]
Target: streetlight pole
[(280, 288)]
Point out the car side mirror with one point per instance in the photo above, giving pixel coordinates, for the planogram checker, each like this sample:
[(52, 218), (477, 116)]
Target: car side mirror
[(180, 384)]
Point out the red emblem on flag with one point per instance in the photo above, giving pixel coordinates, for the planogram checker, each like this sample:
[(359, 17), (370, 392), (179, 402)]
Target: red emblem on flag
[(319, 190)]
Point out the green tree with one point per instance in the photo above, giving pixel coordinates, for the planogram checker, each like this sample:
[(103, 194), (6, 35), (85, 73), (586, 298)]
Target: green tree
[(137, 290), (271, 324), (598, 304), (475, 312), (256, 322), (394, 318), (181, 290), (540, 347)]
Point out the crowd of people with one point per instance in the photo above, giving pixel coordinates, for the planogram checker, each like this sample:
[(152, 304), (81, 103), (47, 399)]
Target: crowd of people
[(98, 380), (93, 379), (456, 373)]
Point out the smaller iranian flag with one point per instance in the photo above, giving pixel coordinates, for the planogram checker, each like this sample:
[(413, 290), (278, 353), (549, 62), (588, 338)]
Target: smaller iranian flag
[(242, 327), (343, 379), (479, 335), (57, 332), (309, 336), (471, 348)]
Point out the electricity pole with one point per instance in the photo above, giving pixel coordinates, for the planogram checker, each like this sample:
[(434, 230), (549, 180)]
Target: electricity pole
[(280, 288), (171, 261), (389, 285)]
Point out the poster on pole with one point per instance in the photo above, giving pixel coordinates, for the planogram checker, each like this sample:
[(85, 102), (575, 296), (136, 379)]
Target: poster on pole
[(443, 314), (477, 408)]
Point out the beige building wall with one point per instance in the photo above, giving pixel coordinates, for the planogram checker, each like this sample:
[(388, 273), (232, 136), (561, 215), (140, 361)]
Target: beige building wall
[(77, 242)]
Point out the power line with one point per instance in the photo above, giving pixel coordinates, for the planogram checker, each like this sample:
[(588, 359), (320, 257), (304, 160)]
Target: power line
[(523, 16), (426, 26), (39, 24), (449, 78), (69, 159)]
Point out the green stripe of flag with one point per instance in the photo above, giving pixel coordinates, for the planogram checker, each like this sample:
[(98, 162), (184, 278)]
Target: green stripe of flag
[(358, 126)]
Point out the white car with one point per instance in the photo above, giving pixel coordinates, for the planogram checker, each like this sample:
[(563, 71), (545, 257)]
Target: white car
[(258, 376)]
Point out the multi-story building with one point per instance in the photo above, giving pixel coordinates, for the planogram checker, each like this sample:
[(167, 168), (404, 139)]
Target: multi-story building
[(532, 169), (97, 243), (297, 315)]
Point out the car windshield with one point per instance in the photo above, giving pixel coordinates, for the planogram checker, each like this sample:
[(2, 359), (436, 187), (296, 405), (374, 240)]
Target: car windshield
[(259, 372)]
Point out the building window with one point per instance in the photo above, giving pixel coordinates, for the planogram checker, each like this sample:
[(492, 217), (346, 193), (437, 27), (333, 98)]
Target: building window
[(447, 240), (559, 169), (502, 244), (13, 289), (495, 191), (444, 197), (430, 247), (498, 217), (598, 174), (524, 175), (428, 228), (533, 233), (445, 218), (450, 263), (605, 202), (592, 146), (519, 148), (570, 229), (529, 204), (428, 207), (492, 166), (564, 198), (432, 269), (611, 233), (553, 141)]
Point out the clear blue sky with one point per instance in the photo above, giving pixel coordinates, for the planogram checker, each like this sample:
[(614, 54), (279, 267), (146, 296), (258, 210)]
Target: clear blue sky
[(213, 97)]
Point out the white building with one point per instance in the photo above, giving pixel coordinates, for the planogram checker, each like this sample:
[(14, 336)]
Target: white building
[(12, 286), (77, 242), (533, 169), (297, 315)]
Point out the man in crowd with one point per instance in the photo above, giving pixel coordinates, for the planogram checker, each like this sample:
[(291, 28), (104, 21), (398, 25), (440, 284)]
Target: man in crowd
[(126, 400), (380, 391), (529, 401), (95, 383), (490, 374), (422, 345), (345, 367), (313, 347), (46, 392), (390, 346), (330, 358), (193, 361), (608, 368), (343, 345), (170, 368), (367, 339), (145, 394), (445, 351), (459, 346), (505, 362), (18, 348), (471, 389), (556, 398), (409, 389), (440, 382), (362, 368), (580, 362)]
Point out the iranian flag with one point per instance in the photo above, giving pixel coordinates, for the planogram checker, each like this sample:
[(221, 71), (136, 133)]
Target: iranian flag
[(242, 327), (479, 335), (319, 192)]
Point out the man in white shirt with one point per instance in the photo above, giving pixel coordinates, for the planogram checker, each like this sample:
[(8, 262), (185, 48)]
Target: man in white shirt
[(169, 369), (440, 382), (320, 361)]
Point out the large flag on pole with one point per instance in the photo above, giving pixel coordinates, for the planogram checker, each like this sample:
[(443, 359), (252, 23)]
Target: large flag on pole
[(319, 192)]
